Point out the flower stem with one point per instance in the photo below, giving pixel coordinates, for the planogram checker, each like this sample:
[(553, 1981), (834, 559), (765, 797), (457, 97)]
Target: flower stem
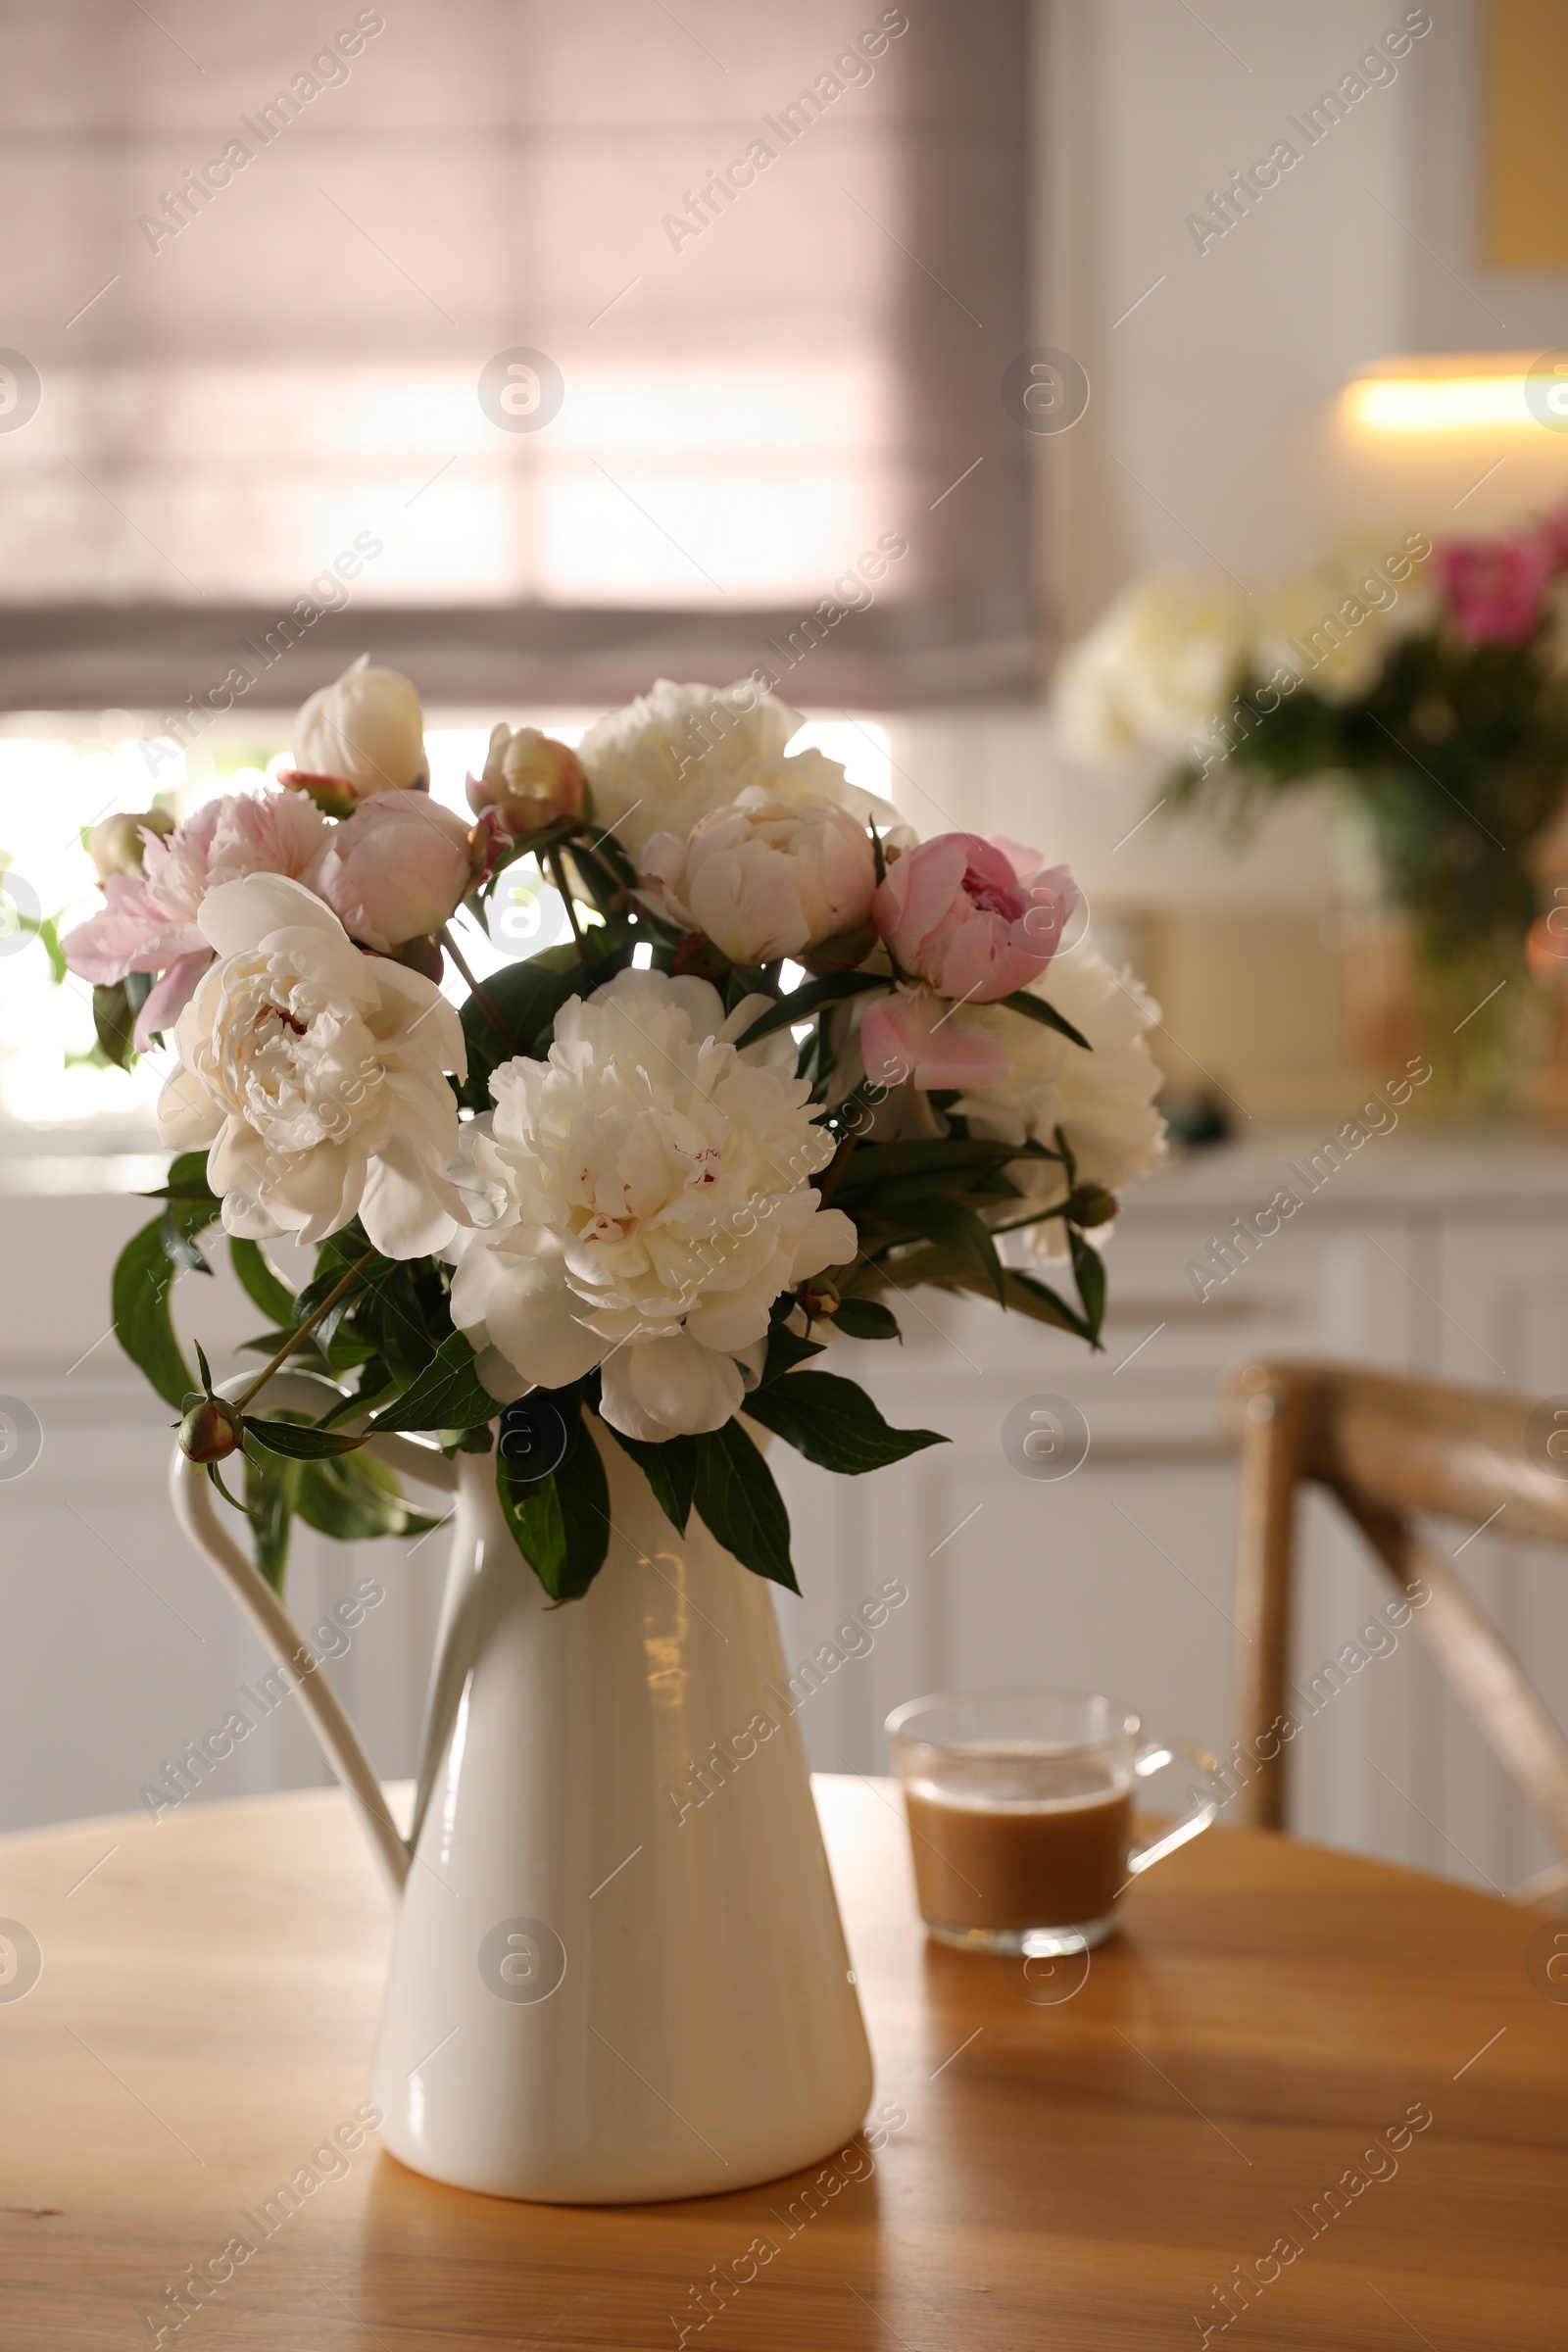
[(557, 874), (295, 1337), (486, 1003)]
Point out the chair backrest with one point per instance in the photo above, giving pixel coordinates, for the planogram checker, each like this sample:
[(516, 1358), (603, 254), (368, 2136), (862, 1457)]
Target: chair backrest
[(1385, 1446)]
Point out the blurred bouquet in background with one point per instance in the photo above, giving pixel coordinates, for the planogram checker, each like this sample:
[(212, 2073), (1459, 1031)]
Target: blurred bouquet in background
[(1425, 686)]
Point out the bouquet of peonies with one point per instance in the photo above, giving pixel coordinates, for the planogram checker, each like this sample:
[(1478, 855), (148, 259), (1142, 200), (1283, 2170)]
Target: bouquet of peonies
[(1426, 686), (789, 1062)]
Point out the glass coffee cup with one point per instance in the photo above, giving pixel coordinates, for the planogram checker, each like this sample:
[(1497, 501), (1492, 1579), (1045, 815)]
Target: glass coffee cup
[(1020, 1811)]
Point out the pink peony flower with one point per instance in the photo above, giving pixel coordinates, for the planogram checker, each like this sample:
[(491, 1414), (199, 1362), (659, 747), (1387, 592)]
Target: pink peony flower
[(765, 878), (976, 919), (397, 868), (1497, 587), (916, 1033), (148, 923)]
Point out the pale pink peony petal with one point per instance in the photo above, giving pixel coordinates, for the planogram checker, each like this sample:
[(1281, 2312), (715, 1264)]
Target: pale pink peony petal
[(917, 1035), (168, 999)]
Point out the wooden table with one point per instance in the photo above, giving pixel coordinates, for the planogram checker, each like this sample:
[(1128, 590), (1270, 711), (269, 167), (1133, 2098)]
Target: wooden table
[(1079, 2171)]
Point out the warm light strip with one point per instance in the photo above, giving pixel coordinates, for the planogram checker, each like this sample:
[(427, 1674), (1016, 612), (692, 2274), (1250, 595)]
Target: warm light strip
[(1438, 404)]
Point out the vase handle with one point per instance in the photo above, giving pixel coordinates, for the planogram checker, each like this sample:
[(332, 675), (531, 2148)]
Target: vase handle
[(191, 1494)]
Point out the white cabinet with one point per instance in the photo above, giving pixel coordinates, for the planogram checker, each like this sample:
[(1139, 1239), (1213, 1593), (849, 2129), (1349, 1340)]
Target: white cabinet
[(1421, 1255)]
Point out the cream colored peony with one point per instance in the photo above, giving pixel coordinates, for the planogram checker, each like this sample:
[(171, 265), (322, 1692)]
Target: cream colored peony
[(366, 732), (1154, 672), (678, 752), (765, 878), (653, 1201), (316, 1076), (1104, 1100)]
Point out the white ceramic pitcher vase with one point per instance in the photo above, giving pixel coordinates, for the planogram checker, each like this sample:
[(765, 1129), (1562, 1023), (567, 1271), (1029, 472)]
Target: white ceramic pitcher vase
[(605, 1986)]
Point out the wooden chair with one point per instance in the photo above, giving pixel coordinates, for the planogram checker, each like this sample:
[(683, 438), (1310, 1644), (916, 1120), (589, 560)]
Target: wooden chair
[(1388, 1446)]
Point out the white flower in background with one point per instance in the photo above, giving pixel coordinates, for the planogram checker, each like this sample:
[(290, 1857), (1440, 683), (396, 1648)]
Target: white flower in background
[(1333, 627), (679, 751), (657, 1203), (765, 878), (1104, 1100), (1154, 673), (314, 1075), (365, 732)]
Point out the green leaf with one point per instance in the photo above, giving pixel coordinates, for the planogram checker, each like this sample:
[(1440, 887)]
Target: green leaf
[(834, 1423), (945, 1270), (297, 1441), (270, 1489), (355, 1499), (1035, 1009), (527, 997), (261, 1284), (785, 1350), (953, 1227), (139, 1294), (392, 1314), (867, 1319), (47, 934), (740, 1504), (875, 1167), (114, 1022), (1089, 1269), (560, 1524), (447, 1395), (186, 1181), (670, 1469), (1037, 1300), (804, 1002)]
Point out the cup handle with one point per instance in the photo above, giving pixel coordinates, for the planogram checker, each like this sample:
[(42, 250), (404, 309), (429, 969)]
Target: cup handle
[(1154, 1757), (192, 1496)]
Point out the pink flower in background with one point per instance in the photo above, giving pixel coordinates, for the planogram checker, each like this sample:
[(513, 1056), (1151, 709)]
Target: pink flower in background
[(1552, 531), (148, 923), (974, 918), (397, 868), (1497, 587)]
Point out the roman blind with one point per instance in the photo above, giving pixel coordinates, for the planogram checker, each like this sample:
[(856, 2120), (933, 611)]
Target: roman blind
[(539, 349)]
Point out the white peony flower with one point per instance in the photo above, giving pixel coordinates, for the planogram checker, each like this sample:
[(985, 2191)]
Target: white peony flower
[(765, 878), (315, 1075), (1156, 671), (1104, 1100), (666, 760), (656, 1204), (365, 731)]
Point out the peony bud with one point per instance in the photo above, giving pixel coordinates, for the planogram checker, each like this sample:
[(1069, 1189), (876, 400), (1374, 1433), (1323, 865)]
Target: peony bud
[(1091, 1204), (820, 1301), (397, 868), (364, 733), (975, 920), (768, 878), (529, 780), (210, 1430), (117, 847)]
